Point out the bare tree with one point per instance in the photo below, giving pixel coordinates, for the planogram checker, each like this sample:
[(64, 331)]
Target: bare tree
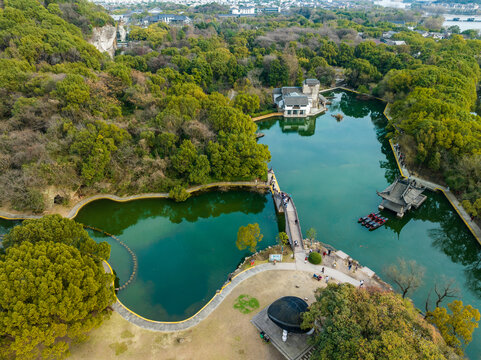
[(407, 275), (446, 289)]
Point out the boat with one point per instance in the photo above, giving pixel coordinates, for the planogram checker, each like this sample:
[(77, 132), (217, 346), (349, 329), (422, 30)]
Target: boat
[(372, 221)]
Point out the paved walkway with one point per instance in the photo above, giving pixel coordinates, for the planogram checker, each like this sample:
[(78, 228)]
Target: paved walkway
[(267, 116), (472, 226), (299, 265), (75, 209)]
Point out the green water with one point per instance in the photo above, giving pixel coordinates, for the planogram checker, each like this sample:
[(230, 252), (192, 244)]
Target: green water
[(333, 170), (185, 250)]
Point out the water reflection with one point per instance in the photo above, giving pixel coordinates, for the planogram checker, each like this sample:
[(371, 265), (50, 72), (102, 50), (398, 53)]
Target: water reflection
[(116, 217)]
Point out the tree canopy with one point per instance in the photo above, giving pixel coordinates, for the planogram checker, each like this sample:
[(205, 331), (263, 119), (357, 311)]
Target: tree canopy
[(51, 292), (55, 228), (456, 326), (353, 323), (248, 236)]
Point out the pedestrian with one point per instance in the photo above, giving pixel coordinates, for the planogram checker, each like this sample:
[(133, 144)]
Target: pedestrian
[(329, 252), (361, 283), (305, 260), (349, 267), (327, 279), (335, 264), (322, 270), (324, 253)]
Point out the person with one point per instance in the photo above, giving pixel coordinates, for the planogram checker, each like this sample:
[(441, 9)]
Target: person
[(327, 279), (322, 270), (361, 283), (310, 250), (350, 266), (275, 261), (335, 264), (305, 260), (324, 253), (329, 252)]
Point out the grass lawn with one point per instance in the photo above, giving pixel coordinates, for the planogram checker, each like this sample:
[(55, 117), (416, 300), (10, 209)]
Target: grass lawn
[(226, 334)]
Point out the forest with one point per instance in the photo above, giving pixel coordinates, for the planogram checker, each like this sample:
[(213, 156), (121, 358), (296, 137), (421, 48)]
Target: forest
[(173, 108)]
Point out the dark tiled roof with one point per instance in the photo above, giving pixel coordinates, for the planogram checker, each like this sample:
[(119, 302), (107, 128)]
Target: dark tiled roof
[(311, 82), (286, 90), (300, 100)]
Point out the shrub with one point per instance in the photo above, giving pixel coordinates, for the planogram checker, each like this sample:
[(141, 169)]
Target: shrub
[(315, 258), (178, 193)]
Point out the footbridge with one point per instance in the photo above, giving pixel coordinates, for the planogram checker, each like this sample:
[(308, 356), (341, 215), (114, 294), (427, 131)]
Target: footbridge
[(285, 204)]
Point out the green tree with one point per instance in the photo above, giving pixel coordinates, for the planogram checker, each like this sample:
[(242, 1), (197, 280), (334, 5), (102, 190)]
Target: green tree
[(178, 193), (456, 327), (73, 91), (353, 323), (51, 294), (283, 240), (311, 234), (248, 237), (56, 228), (407, 275), (248, 104)]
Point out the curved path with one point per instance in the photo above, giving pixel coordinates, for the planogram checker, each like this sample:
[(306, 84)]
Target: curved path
[(299, 265), (405, 173), (76, 208)]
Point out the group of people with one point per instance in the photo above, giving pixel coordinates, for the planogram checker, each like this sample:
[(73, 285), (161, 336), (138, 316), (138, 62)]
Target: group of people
[(264, 336), (401, 157)]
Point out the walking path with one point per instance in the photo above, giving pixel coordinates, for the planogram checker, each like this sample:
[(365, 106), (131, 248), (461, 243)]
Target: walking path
[(472, 226), (338, 260), (299, 265), (293, 224), (76, 208), (267, 116)]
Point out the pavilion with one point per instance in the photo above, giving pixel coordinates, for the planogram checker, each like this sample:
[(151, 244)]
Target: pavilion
[(401, 196), (283, 318)]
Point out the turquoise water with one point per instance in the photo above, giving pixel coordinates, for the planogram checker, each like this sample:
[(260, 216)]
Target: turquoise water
[(185, 250), (333, 170)]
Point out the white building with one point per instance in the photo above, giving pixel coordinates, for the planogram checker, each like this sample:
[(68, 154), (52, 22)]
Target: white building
[(243, 10), (302, 101)]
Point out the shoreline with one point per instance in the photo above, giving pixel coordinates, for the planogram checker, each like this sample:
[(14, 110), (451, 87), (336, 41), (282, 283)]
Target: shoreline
[(72, 213)]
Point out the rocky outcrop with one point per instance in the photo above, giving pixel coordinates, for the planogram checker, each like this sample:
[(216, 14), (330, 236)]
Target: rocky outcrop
[(122, 33), (105, 39)]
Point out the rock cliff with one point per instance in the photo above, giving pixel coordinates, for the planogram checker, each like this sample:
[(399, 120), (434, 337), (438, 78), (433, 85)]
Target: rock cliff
[(105, 39)]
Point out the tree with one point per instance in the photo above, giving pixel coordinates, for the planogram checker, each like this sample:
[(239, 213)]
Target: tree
[(458, 326), (407, 275), (57, 229), (311, 234), (248, 104), (248, 237), (282, 239), (178, 193), (444, 290), (353, 323), (50, 293), (73, 91)]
